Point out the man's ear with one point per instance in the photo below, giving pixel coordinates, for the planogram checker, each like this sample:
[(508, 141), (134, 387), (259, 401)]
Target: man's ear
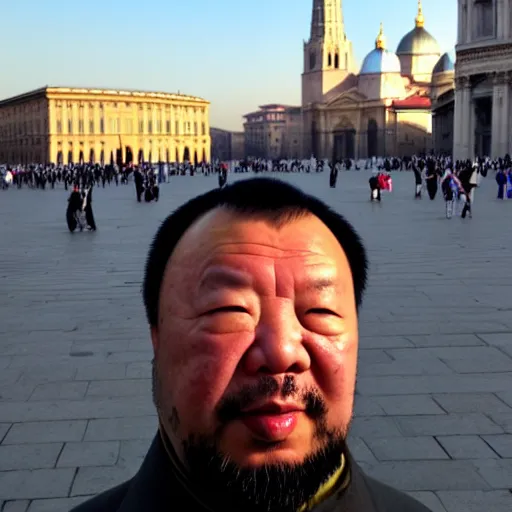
[(155, 340)]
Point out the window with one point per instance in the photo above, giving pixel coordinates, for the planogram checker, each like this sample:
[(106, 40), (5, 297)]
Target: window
[(196, 132), (59, 126), (177, 127), (141, 126), (159, 126), (203, 128), (150, 126), (168, 126), (91, 126), (81, 126), (102, 125), (70, 126), (485, 19)]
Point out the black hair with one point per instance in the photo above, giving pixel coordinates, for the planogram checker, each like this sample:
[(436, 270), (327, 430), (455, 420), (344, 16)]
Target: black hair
[(273, 200)]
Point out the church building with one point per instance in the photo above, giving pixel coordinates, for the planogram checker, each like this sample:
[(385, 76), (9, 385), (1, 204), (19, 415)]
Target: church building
[(383, 108)]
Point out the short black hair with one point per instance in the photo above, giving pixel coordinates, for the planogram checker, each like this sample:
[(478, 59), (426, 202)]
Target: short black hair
[(275, 201)]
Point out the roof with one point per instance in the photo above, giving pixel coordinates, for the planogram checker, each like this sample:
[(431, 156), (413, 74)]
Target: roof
[(418, 42), (380, 61), (413, 103), (445, 63), (123, 93)]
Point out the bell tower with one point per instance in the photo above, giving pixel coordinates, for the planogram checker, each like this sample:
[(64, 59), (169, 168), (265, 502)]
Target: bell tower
[(328, 55)]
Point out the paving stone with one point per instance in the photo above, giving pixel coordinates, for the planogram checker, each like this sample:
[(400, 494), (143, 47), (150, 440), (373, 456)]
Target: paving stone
[(121, 429), (15, 506), (383, 342), (29, 456), (504, 420), (374, 356), (36, 483), (140, 370), (46, 432), (476, 501), (365, 406), (125, 387), (451, 340), (102, 453), (93, 480), (404, 405), (4, 428), (57, 505), (359, 450), (466, 447), (59, 391), (429, 499), (485, 403), (102, 372), (374, 427), (18, 393), (449, 424), (501, 444), (427, 475), (497, 472), (406, 448)]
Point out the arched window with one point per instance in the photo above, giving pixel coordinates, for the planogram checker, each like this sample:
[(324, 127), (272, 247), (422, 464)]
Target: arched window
[(484, 14)]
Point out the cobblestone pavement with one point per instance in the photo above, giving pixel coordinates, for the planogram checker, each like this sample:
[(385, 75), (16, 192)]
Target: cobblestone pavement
[(434, 404)]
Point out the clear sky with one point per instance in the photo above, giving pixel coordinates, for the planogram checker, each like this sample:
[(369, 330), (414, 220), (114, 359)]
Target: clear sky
[(238, 54)]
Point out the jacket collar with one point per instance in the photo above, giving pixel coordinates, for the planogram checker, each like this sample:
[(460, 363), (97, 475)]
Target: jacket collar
[(160, 486)]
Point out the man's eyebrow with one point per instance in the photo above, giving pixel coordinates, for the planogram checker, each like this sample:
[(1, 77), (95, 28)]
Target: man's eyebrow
[(320, 285), (215, 278)]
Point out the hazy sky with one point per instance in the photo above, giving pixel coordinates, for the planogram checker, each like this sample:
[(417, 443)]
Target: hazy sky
[(238, 54)]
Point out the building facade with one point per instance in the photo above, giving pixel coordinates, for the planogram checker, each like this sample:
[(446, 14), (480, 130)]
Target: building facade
[(274, 131), (483, 75), (227, 145), (70, 125), (382, 108)]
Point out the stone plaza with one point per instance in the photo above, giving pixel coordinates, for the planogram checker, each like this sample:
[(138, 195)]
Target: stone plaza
[(433, 412)]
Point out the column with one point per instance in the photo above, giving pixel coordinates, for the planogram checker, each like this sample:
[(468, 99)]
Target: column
[(457, 122), (465, 107), (469, 21), (497, 101), (462, 23), (505, 119), (472, 128)]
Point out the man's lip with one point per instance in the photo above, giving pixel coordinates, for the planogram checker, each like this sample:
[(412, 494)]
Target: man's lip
[(270, 408)]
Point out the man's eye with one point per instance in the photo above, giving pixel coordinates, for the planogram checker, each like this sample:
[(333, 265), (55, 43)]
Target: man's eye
[(322, 311), (227, 309)]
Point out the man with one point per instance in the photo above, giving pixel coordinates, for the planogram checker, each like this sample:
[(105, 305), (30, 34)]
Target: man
[(251, 292)]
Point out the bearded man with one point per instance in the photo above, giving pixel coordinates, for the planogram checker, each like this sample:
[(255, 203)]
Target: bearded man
[(251, 293)]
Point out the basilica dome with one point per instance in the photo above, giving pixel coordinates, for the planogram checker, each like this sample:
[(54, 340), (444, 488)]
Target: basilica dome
[(418, 41), (380, 60)]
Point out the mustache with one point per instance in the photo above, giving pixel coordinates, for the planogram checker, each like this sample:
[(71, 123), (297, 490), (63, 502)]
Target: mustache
[(231, 407)]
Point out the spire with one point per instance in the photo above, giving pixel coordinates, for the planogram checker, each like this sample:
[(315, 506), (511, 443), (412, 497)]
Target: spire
[(380, 42), (327, 20), (420, 19)]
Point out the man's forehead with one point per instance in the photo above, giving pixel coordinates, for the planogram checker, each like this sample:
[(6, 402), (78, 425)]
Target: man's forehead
[(224, 232)]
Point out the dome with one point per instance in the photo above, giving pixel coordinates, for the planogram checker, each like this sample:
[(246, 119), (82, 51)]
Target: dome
[(380, 60), (444, 64), (418, 41)]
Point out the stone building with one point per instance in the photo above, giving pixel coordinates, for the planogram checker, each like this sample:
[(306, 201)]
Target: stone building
[(227, 145), (71, 125), (382, 108), (483, 79), (274, 131)]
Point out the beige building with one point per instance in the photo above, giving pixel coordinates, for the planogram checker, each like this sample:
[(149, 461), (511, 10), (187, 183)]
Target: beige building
[(274, 131), (382, 108), (483, 75), (227, 145), (72, 125)]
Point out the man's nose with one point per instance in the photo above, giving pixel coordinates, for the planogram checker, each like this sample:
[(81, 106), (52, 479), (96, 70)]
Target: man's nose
[(277, 347)]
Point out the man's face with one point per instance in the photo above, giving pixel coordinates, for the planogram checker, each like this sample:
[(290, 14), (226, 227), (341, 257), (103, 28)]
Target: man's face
[(256, 345)]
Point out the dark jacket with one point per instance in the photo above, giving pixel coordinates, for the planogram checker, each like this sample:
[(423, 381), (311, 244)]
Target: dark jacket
[(157, 488)]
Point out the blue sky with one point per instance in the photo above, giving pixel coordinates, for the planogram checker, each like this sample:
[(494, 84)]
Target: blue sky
[(238, 54)]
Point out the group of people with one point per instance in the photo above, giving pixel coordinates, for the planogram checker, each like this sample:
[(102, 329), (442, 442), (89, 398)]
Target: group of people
[(79, 212)]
